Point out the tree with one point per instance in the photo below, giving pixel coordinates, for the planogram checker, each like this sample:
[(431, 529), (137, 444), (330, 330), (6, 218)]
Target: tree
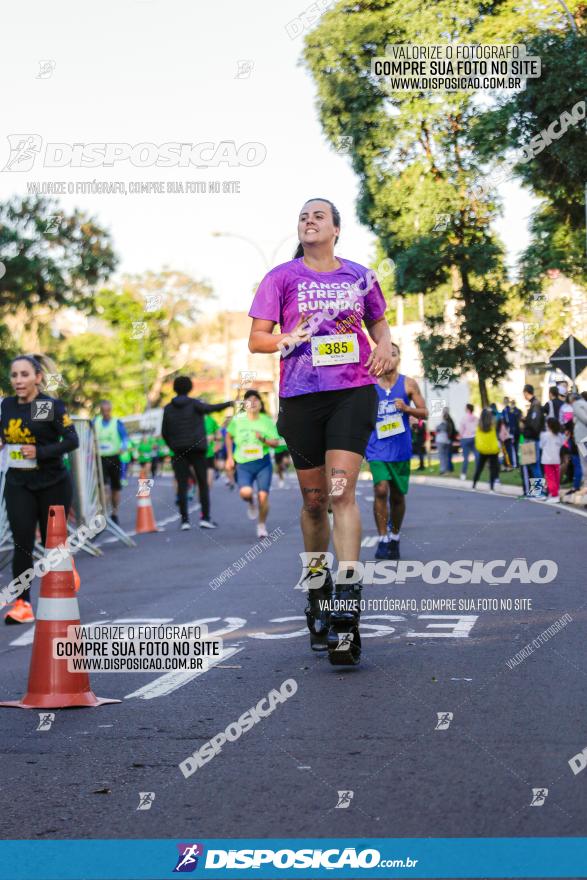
[(50, 257), (554, 163), (51, 260), (416, 168), (171, 307), (148, 333)]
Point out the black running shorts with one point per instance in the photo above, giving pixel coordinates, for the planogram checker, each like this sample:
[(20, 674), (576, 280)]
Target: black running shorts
[(312, 423), (111, 471)]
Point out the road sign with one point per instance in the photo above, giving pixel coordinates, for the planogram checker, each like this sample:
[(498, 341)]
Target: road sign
[(570, 357)]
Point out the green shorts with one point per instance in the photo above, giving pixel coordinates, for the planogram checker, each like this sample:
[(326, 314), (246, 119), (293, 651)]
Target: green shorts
[(398, 472)]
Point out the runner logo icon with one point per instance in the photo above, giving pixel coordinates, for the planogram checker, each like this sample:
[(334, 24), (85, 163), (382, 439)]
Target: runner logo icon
[(444, 719), (23, 151), (46, 719), (344, 641), (539, 795), (344, 800), (189, 854)]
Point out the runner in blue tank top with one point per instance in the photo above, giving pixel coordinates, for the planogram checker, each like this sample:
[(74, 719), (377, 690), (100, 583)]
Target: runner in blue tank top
[(389, 453)]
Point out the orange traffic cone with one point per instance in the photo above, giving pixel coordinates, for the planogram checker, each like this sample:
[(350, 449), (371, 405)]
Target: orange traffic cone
[(50, 685), (145, 516), (77, 581)]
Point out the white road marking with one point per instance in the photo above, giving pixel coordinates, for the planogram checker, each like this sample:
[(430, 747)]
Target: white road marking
[(171, 681), (370, 541), (27, 637), (460, 625), (160, 523)]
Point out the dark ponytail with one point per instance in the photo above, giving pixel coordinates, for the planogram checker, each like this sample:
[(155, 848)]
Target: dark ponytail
[(335, 219)]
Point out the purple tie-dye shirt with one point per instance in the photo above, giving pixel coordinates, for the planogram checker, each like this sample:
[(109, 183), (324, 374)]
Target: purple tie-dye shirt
[(335, 302)]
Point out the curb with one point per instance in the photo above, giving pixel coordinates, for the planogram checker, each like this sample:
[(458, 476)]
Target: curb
[(512, 491)]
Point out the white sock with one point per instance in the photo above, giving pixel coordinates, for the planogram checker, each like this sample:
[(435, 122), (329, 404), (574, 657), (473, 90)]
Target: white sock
[(384, 538), (392, 537)]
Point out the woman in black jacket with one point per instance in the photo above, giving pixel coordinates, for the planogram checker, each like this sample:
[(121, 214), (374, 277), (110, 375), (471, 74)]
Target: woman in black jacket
[(37, 431)]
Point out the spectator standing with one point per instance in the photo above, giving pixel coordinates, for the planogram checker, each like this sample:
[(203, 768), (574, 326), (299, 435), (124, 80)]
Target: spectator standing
[(552, 408), (532, 426), (506, 443), (566, 411), (443, 441), (419, 440), (452, 434), (551, 441), (512, 415), (467, 430), (487, 446), (580, 418), (570, 453)]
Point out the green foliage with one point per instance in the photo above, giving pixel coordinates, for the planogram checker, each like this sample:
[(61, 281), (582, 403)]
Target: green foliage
[(417, 170), (557, 173), (51, 258)]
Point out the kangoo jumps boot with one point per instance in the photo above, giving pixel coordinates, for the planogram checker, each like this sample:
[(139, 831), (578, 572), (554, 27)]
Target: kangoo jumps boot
[(344, 639)]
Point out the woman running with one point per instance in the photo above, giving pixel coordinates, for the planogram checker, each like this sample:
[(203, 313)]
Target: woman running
[(253, 431), (327, 407), (37, 432)]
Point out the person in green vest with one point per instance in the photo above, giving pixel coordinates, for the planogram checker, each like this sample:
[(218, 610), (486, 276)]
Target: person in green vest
[(112, 441), (253, 433), (160, 453), (145, 451), (211, 426)]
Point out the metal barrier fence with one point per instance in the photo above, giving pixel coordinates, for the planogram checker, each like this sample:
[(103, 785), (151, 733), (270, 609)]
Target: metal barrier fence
[(89, 496)]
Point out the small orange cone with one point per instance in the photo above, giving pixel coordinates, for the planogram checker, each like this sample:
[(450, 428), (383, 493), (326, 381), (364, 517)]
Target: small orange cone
[(145, 516), (50, 685), (77, 581)]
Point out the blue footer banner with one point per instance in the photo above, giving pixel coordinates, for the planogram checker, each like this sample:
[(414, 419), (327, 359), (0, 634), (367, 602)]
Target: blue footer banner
[(535, 857)]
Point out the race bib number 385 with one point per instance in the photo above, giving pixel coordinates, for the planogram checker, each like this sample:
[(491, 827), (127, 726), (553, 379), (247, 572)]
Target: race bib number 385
[(340, 348)]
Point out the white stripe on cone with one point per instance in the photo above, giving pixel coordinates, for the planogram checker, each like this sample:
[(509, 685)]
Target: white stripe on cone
[(57, 609), (63, 565)]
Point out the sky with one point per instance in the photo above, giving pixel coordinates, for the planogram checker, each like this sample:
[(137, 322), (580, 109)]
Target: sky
[(154, 72)]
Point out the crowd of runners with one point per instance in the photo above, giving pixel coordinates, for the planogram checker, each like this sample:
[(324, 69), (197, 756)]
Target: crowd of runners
[(342, 399)]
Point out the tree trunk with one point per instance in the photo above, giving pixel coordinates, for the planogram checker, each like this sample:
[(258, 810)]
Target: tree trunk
[(483, 392)]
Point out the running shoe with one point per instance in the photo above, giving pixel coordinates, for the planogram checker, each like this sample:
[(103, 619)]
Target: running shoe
[(281, 482), (185, 526), (252, 509), (392, 550), (208, 524), (381, 552), (21, 612), (554, 499), (262, 531)]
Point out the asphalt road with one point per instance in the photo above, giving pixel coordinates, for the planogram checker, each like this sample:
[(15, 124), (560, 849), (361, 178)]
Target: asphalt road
[(369, 730)]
